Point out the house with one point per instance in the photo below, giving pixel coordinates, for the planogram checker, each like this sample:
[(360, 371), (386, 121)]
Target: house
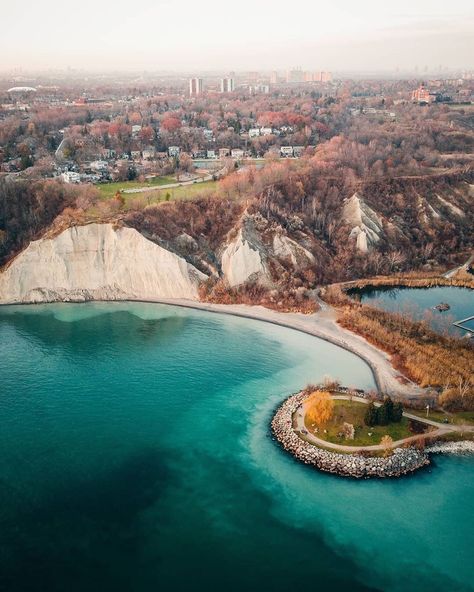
[(199, 154), (173, 151), (208, 134), (108, 153), (149, 153), (211, 154), (136, 129), (237, 153), (71, 177), (266, 131), (298, 151), (254, 132), (224, 152), (286, 151), (99, 166), (135, 154)]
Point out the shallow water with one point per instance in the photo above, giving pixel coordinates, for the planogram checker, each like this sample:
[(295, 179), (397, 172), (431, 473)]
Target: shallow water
[(420, 302), (136, 455)]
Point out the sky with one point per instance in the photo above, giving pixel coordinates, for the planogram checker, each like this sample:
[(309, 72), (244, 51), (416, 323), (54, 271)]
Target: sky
[(191, 35)]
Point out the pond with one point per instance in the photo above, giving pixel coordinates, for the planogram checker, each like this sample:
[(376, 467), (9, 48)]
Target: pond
[(420, 303)]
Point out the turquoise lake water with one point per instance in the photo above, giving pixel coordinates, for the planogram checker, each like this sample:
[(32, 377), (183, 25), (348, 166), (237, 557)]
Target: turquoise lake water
[(136, 456), (419, 303)]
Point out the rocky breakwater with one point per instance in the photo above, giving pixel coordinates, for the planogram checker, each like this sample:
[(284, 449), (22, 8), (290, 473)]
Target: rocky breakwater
[(402, 462)]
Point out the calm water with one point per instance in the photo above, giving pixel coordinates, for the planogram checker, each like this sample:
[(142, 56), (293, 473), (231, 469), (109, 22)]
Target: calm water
[(135, 456), (419, 303)]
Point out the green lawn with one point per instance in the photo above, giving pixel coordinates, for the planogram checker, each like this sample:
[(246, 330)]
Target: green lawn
[(181, 192), (460, 417), (110, 189), (354, 412)]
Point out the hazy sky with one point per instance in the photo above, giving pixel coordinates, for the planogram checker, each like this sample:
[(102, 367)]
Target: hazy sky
[(242, 35)]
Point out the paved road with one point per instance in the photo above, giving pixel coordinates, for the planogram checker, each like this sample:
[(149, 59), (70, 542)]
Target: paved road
[(440, 430)]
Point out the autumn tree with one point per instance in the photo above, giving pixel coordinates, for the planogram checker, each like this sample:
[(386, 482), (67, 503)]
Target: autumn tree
[(387, 444), (319, 407)]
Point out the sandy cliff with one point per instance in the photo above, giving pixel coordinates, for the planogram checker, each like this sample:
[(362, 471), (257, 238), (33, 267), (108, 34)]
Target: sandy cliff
[(97, 261)]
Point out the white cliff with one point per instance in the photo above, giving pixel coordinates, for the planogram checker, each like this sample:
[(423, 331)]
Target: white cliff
[(366, 224), (285, 247), (97, 262), (243, 260)]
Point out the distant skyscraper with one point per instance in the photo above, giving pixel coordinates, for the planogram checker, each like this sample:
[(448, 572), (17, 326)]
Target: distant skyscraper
[(195, 86), (296, 75), (274, 77), (227, 85)]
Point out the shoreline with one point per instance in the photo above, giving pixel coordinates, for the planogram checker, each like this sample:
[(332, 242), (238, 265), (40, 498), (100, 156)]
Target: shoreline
[(321, 324)]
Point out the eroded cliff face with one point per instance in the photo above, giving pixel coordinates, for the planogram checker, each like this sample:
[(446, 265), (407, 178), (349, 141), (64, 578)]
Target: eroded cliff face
[(244, 259), (366, 224), (97, 262)]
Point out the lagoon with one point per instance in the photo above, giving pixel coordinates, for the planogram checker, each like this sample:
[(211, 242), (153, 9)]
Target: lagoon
[(136, 455), (419, 303)]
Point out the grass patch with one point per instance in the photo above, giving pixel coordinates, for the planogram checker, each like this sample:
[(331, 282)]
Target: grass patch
[(108, 190), (353, 412), (181, 192), (457, 418)]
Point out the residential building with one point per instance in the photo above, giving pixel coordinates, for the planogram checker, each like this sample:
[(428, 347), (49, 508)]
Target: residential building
[(71, 177), (262, 89), (237, 153), (227, 85), (286, 151), (195, 86), (173, 151), (422, 95), (149, 153), (295, 76), (254, 132), (224, 152), (211, 154)]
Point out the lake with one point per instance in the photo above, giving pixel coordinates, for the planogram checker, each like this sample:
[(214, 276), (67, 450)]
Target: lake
[(136, 456), (419, 303)]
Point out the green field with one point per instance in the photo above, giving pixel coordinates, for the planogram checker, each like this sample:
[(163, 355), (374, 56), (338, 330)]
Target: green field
[(181, 192), (354, 412), (458, 418), (110, 189)]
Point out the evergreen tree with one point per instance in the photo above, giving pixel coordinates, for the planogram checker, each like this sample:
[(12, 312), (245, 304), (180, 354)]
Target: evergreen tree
[(383, 417), (370, 418), (397, 412)]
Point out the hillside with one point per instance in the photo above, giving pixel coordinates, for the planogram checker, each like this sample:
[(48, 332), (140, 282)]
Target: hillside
[(289, 229)]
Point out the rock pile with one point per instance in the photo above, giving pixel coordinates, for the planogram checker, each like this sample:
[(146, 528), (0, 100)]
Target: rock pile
[(402, 462)]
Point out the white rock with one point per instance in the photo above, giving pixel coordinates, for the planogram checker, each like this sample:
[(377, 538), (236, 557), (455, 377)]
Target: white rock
[(97, 262), (243, 261)]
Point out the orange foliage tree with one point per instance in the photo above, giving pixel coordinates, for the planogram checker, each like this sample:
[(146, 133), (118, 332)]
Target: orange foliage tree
[(319, 407)]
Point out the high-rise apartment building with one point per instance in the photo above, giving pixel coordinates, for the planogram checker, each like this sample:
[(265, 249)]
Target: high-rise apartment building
[(195, 86), (227, 85)]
